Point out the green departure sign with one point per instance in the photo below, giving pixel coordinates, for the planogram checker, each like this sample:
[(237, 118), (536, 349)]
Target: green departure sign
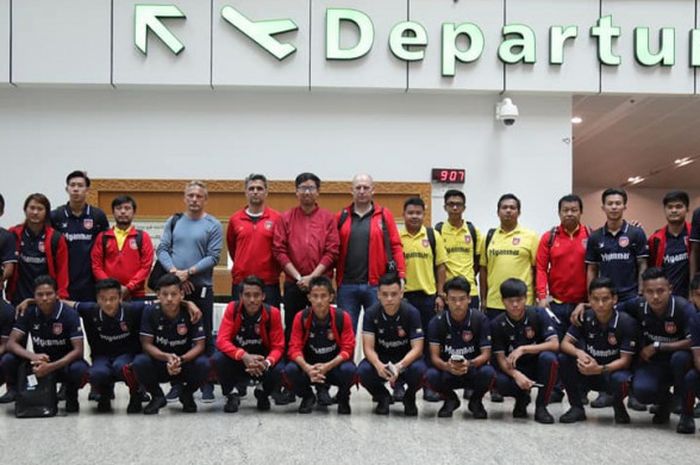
[(147, 17)]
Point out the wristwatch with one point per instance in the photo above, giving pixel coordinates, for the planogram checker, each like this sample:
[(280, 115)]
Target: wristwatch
[(657, 346)]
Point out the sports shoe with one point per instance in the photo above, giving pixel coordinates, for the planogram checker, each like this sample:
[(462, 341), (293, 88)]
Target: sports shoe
[(451, 404), (686, 425), (476, 406), (207, 393), (496, 397), (520, 408), (382, 407), (307, 404), (174, 393), (603, 400), (430, 396), (8, 397), (156, 403), (543, 416), (409, 405), (344, 405), (263, 400), (283, 397), (104, 405), (72, 404), (573, 415), (323, 396), (399, 392), (134, 404), (635, 405), (662, 414), (187, 401), (621, 415), (232, 403)]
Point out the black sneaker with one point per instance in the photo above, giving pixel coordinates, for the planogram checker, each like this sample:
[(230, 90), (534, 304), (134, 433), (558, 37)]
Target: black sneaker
[(543, 416), (207, 393), (430, 396), (686, 425), (187, 401), (104, 405), (573, 415), (61, 393), (263, 400), (94, 396), (174, 393), (635, 405), (520, 408), (409, 406), (242, 389), (662, 415), (451, 404), (696, 411), (399, 392), (8, 397), (134, 404), (307, 404), (72, 405), (584, 398), (232, 403), (496, 397), (477, 408), (382, 407), (621, 415), (344, 405), (283, 397), (323, 395), (156, 403), (603, 400), (557, 396), (144, 396)]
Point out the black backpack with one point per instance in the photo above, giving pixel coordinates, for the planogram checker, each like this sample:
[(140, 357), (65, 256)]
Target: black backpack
[(36, 397), (158, 271), (339, 316)]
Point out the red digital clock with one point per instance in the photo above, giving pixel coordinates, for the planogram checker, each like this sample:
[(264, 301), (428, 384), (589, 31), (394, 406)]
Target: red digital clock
[(449, 175)]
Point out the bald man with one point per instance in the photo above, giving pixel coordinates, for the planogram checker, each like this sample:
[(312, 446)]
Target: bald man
[(370, 246)]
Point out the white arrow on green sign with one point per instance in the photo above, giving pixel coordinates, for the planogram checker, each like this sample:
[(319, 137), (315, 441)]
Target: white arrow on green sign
[(261, 32), (148, 17)]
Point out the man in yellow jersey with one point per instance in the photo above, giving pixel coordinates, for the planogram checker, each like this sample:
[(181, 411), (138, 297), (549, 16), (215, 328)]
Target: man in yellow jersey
[(509, 251), (462, 243), (425, 256)]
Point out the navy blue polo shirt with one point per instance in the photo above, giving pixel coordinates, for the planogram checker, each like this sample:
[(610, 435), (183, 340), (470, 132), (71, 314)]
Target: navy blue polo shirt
[(80, 233), (112, 336), (676, 263), (467, 338), (32, 263), (535, 327), (51, 335), (7, 319), (617, 255), (695, 331), (249, 336), (173, 336), (321, 346), (695, 226), (605, 342), (393, 334), (8, 247), (672, 326)]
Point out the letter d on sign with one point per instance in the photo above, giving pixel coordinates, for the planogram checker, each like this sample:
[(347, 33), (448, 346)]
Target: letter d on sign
[(334, 17)]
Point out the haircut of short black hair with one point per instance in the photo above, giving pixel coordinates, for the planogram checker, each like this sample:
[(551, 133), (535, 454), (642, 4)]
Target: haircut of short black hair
[(322, 281), (252, 280), (45, 280), (508, 196), (2, 204), (455, 193), (654, 273), (513, 287), (415, 201), (389, 279), (602, 283), (458, 283), (303, 177), (695, 282), (258, 177), (570, 198), (78, 174), (167, 280), (677, 196), (122, 199), (106, 284), (614, 191)]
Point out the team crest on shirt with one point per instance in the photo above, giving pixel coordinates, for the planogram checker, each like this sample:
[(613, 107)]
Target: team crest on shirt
[(256, 328), (329, 335), (268, 225), (182, 329), (516, 240), (400, 331), (88, 223), (133, 244), (670, 327), (623, 241), (426, 243), (42, 247), (57, 328), (467, 336), (612, 340), (124, 327), (467, 239), (529, 332)]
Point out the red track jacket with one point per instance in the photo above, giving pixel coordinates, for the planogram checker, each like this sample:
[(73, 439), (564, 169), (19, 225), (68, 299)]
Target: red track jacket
[(299, 336), (231, 324), (130, 266)]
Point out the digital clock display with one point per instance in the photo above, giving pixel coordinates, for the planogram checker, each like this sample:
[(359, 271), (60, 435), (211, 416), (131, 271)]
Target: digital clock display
[(449, 175)]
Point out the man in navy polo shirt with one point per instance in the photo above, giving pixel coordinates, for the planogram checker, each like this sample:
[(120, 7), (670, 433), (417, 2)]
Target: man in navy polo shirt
[(598, 354), (460, 349), (57, 339), (392, 339), (691, 384), (7, 321), (618, 250), (80, 223), (8, 252), (525, 341), (173, 348), (664, 344), (669, 246)]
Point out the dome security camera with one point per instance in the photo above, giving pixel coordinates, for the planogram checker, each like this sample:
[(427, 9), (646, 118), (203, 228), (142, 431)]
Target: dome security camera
[(507, 112)]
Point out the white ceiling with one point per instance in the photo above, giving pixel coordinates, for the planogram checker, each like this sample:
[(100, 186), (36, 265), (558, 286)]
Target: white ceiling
[(625, 136)]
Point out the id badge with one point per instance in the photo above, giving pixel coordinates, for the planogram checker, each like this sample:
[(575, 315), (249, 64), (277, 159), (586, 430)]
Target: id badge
[(31, 380), (203, 294)]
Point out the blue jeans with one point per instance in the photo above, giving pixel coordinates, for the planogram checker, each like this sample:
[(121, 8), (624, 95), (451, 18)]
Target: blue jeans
[(352, 297), (652, 380)]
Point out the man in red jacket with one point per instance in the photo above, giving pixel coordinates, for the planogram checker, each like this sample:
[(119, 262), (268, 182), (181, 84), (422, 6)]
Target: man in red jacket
[(123, 252), (249, 241), (321, 348), (250, 345), (370, 246)]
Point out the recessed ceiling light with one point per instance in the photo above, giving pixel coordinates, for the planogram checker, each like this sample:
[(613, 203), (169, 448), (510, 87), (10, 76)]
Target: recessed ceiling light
[(635, 179), (576, 120), (683, 161)]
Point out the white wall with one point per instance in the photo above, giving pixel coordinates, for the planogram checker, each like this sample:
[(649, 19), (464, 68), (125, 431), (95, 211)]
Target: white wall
[(45, 133), (644, 205)]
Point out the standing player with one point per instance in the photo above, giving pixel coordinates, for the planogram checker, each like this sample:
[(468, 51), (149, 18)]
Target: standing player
[(8, 252), (7, 321), (80, 223)]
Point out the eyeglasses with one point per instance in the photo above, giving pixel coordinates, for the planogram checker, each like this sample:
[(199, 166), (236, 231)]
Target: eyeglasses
[(307, 189)]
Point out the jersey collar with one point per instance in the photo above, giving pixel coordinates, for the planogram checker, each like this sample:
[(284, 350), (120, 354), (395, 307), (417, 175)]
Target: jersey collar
[(670, 308), (121, 313)]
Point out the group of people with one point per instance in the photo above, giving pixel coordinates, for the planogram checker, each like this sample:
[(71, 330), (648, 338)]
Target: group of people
[(506, 311)]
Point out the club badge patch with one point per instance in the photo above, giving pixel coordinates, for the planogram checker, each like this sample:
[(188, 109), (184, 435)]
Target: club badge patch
[(42, 247), (256, 328), (612, 340), (400, 331), (516, 240), (182, 329), (133, 244), (329, 335), (670, 327), (624, 241), (529, 332), (124, 327), (467, 336), (57, 328), (467, 239), (88, 223), (426, 243), (268, 225)]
